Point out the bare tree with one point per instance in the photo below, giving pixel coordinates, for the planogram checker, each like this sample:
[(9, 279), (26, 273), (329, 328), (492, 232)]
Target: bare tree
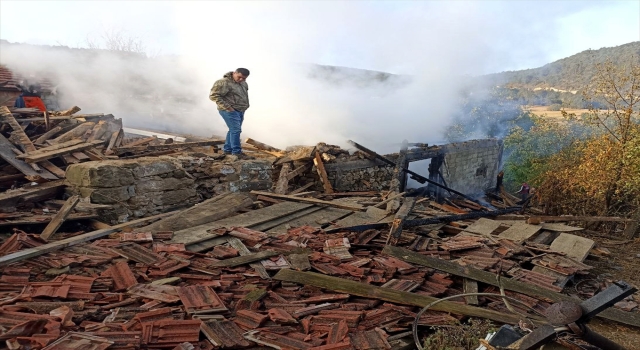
[(116, 40)]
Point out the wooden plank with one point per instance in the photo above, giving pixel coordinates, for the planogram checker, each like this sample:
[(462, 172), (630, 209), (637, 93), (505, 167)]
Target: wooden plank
[(581, 218), (47, 135), (508, 284), (559, 227), (200, 233), (387, 294), (68, 242), (399, 178), (396, 225), (315, 219), (299, 190), (61, 215), (299, 262), (264, 227), (140, 142), (244, 251), (335, 204), (70, 111), (76, 132), (45, 219), (483, 226), (575, 247), (48, 155), (283, 181), (81, 156), (113, 141), (49, 189), (18, 132), (244, 259), (298, 171), (260, 145), (57, 146), (520, 231), (470, 286), (170, 146), (317, 161)]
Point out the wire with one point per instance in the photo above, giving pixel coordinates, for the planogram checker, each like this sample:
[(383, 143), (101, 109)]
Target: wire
[(414, 327)]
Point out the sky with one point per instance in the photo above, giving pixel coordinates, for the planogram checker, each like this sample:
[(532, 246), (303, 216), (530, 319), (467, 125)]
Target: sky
[(437, 43)]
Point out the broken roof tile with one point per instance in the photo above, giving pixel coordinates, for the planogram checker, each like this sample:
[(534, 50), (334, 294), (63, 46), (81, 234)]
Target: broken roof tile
[(200, 299), (76, 340), (137, 237), (137, 253), (365, 340), (225, 334), (123, 277), (281, 316), (167, 294)]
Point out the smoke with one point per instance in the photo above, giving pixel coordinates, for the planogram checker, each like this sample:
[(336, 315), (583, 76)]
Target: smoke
[(431, 48)]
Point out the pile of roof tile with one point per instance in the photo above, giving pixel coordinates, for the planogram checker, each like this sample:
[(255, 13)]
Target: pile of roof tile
[(140, 290)]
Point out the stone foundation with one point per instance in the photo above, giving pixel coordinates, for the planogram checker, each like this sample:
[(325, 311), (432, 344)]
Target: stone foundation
[(148, 186)]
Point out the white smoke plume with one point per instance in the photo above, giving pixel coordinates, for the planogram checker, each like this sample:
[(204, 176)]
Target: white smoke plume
[(431, 47)]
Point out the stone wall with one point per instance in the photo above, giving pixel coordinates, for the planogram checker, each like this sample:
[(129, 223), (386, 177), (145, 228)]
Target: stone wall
[(471, 167), (148, 186), (361, 179)]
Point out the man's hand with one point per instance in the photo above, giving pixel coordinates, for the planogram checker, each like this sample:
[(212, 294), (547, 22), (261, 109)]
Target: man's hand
[(230, 109)]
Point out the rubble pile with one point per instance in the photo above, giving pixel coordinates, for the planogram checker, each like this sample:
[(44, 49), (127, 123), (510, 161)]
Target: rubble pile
[(310, 287), (176, 246)]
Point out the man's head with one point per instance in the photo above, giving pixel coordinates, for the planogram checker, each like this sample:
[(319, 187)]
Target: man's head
[(240, 75)]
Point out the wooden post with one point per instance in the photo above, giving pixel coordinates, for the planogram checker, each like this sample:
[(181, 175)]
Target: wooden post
[(283, 180), (57, 220), (401, 215), (399, 177), (317, 161)]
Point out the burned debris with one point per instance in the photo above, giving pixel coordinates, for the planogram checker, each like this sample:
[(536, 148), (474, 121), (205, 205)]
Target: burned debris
[(120, 242)]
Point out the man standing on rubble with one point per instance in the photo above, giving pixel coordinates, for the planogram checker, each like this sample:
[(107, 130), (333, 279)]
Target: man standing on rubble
[(231, 95)]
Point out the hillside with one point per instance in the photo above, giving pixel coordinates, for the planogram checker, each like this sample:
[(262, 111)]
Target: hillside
[(569, 74)]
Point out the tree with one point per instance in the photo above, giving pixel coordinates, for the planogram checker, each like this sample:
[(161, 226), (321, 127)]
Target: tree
[(601, 173), (116, 40)]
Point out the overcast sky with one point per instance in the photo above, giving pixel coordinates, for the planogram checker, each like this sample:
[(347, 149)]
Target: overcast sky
[(390, 36)]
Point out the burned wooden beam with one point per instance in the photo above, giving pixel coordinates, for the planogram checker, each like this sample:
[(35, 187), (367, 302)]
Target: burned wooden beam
[(298, 171), (414, 176), (57, 220)]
